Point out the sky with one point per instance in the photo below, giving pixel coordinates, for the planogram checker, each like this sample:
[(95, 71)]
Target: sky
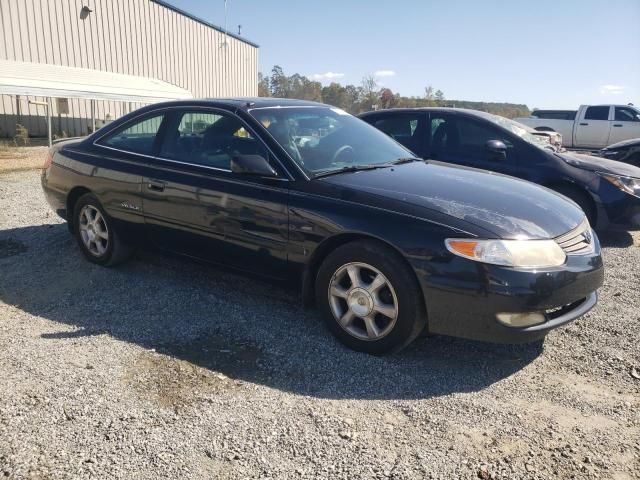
[(543, 53)]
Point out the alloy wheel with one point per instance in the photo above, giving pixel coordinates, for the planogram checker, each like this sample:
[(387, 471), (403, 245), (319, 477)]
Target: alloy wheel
[(93, 230), (363, 301)]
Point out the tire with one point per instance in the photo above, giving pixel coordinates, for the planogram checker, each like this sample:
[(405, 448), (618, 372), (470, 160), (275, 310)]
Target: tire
[(100, 242), (394, 310), (582, 199)]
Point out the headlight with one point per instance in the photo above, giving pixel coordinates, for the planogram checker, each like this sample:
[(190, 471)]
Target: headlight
[(510, 253), (629, 185)]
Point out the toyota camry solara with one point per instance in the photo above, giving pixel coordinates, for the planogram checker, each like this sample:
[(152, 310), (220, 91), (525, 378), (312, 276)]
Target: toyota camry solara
[(386, 245)]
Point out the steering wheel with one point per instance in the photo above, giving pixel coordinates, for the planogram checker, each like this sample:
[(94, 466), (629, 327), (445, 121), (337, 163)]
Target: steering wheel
[(340, 151)]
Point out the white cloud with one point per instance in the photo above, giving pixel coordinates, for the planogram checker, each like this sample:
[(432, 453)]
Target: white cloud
[(611, 89), (327, 76), (385, 73)]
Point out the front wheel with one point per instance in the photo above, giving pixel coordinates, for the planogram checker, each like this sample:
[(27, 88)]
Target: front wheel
[(370, 298), (96, 234)]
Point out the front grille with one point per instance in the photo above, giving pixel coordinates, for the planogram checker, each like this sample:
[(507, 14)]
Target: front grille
[(579, 241)]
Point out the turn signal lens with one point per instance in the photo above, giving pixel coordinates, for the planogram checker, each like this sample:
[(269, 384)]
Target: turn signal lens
[(510, 253), (462, 247)]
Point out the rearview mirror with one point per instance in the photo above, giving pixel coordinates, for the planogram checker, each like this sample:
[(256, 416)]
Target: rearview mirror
[(252, 165), (497, 147)]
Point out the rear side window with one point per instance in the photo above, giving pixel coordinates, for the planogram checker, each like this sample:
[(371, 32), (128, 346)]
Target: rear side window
[(138, 137), (624, 114), (597, 113), (554, 114), (406, 129)]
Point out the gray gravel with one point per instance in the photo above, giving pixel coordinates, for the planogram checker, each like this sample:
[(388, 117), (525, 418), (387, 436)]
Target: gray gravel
[(163, 368)]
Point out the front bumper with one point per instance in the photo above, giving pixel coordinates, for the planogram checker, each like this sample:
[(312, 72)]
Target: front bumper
[(463, 297)]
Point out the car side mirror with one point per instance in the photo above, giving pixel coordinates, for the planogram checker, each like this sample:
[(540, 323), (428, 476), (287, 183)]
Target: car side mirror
[(497, 147), (252, 165)]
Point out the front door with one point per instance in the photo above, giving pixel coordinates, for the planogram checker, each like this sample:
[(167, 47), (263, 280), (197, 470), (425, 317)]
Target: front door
[(462, 140), (195, 205)]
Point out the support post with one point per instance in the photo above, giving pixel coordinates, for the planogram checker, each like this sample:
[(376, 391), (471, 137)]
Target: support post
[(93, 116), (49, 121)]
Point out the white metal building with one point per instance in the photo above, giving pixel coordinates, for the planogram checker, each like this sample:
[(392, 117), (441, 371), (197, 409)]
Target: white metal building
[(141, 38)]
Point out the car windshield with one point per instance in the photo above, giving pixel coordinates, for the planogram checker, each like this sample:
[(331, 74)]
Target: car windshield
[(325, 139), (523, 131)]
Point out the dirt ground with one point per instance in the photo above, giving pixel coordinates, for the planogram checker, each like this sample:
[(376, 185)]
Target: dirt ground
[(21, 158)]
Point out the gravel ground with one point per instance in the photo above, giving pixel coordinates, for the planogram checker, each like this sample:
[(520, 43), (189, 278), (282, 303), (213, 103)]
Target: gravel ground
[(163, 368)]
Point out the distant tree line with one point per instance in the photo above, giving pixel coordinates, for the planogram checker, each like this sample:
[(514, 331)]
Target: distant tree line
[(369, 95)]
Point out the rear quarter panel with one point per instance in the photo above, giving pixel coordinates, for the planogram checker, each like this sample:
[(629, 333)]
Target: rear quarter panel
[(116, 183)]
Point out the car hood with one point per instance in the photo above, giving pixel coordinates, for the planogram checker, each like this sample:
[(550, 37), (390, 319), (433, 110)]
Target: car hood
[(505, 206), (599, 164), (623, 144)]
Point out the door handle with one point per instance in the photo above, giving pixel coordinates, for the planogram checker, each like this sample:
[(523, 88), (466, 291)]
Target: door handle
[(584, 124), (617, 124), (155, 186)]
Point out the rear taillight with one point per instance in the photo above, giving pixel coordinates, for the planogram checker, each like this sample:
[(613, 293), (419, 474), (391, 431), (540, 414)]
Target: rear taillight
[(48, 160)]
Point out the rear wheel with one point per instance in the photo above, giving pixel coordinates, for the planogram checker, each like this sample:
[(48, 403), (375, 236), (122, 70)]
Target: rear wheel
[(96, 234), (370, 298), (582, 199)]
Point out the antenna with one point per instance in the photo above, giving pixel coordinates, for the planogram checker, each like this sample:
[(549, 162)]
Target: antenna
[(239, 29), (225, 24)]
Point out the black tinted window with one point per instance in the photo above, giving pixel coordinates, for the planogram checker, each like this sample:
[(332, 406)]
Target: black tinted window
[(208, 139), (449, 132), (138, 137), (597, 113), (474, 134), (444, 133), (626, 115), (554, 114), (407, 129)]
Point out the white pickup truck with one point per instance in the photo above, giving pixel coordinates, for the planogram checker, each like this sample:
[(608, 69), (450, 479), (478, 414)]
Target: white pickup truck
[(590, 127)]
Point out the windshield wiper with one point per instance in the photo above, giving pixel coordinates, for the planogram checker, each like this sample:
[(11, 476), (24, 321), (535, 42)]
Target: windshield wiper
[(347, 169), (400, 161)]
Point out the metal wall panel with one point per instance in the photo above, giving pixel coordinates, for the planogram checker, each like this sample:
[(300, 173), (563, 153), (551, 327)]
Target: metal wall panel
[(136, 37)]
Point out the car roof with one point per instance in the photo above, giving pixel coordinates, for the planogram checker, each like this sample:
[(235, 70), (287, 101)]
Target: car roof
[(246, 103), (428, 109)]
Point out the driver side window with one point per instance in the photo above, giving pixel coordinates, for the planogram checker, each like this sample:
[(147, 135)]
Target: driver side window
[(474, 135), (209, 139)]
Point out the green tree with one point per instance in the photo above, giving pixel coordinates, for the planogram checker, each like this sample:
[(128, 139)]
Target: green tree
[(279, 83), (263, 85), (336, 95), (357, 99)]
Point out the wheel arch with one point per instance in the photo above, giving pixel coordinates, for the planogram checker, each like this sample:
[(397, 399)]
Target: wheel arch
[(72, 198), (329, 245), (568, 185)]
